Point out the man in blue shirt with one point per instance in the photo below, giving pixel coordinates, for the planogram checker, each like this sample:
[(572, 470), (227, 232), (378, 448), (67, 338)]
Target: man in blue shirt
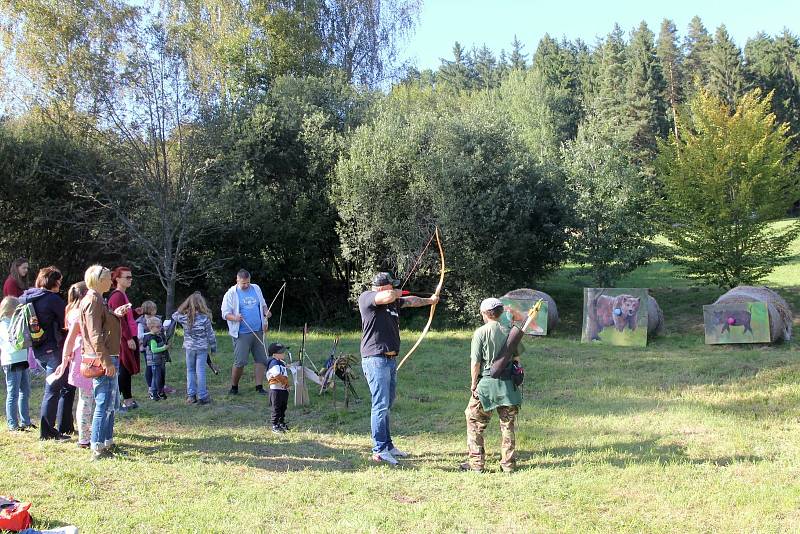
[(246, 311)]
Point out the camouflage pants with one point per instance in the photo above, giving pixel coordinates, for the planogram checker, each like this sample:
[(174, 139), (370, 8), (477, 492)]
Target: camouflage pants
[(477, 420)]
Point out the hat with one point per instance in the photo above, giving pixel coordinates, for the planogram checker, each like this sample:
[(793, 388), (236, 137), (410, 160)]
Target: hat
[(490, 304), (275, 348), (384, 279)]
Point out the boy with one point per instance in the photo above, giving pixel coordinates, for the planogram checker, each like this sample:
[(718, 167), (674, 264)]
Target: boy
[(157, 356), (278, 377)]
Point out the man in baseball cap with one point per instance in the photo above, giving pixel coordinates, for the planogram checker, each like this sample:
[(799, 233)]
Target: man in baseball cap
[(490, 394), (380, 345)]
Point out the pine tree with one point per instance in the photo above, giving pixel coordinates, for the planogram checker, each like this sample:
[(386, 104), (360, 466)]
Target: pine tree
[(697, 46), (485, 68), (518, 59), (456, 74), (645, 88), (726, 74), (772, 64), (554, 65), (671, 59), (608, 108)]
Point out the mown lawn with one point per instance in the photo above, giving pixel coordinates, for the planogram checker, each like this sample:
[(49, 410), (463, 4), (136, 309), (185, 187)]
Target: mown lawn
[(676, 437)]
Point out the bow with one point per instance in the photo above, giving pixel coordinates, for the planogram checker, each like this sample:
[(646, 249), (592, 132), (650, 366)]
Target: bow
[(433, 306)]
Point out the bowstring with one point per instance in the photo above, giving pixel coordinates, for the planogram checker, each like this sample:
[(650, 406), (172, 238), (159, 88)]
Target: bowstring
[(419, 259)]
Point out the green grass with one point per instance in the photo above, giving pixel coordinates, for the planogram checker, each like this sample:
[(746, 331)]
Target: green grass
[(677, 436)]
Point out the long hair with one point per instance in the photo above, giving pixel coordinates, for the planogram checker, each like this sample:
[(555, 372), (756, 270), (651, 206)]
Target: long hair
[(116, 273), (195, 304), (74, 295), (14, 273), (7, 306)]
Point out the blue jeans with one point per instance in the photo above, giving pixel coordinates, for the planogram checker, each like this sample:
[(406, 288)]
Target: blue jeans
[(18, 394), (196, 374), (381, 375), (158, 374), (106, 392)]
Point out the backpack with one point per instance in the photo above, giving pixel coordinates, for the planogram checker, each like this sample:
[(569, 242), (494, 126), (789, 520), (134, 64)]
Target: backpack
[(24, 330), (14, 514)]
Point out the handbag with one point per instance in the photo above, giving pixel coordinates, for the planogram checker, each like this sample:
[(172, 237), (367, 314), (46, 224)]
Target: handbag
[(14, 514), (92, 367)]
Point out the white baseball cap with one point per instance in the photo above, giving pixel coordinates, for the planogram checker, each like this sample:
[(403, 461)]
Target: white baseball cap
[(490, 304)]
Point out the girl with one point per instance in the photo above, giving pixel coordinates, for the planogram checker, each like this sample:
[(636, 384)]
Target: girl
[(71, 356), (15, 365), (17, 281), (198, 340)]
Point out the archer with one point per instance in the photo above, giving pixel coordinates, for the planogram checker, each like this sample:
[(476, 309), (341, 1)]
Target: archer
[(380, 345)]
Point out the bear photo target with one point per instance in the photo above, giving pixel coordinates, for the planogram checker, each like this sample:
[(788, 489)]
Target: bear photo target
[(736, 322), (615, 316)]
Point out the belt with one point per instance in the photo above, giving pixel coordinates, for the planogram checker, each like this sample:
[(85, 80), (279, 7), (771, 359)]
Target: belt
[(388, 355)]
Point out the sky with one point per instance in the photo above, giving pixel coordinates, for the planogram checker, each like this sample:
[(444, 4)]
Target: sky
[(495, 22)]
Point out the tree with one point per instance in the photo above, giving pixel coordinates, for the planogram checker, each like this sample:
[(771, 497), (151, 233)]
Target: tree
[(485, 68), (518, 59), (608, 108), (726, 74), (607, 189), (646, 109), (697, 46), (725, 177), (671, 59), (361, 37), (457, 74)]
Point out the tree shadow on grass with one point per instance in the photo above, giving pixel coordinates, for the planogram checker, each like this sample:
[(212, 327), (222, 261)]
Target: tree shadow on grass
[(623, 454), (270, 455)]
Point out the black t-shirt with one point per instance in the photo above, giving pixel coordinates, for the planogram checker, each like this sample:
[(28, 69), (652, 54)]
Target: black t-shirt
[(380, 325)]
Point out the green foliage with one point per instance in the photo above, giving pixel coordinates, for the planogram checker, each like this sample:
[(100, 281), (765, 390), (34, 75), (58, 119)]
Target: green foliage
[(726, 74), (428, 158), (613, 210), (724, 178)]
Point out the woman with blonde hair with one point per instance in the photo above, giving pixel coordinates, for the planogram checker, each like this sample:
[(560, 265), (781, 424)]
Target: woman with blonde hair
[(199, 341), (100, 330)]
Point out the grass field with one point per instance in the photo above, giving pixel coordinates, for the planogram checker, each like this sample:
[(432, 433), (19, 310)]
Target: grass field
[(674, 437)]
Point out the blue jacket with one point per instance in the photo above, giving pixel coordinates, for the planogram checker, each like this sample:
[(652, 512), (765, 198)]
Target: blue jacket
[(49, 308)]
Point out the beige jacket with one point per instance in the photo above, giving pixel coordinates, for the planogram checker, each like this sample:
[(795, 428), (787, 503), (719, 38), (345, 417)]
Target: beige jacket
[(100, 328)]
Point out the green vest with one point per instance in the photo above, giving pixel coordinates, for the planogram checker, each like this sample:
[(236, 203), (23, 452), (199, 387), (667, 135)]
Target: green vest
[(487, 342)]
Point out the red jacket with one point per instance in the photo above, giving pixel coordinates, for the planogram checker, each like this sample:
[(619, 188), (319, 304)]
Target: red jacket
[(11, 288)]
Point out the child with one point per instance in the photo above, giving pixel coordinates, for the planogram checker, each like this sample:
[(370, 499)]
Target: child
[(278, 377), (15, 366), (71, 355), (156, 355), (199, 341)]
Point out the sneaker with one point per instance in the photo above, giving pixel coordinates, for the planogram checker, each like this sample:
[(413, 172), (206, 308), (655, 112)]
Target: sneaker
[(397, 453), (285, 427), (384, 456), (101, 454), (234, 390), (84, 445), (62, 437), (154, 397), (28, 427), (162, 396), (277, 429), (205, 401), (260, 390), (191, 399), (466, 467)]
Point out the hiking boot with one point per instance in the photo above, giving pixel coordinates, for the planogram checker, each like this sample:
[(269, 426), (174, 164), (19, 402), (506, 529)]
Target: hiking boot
[(384, 456), (260, 390), (234, 390), (466, 467), (191, 399)]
